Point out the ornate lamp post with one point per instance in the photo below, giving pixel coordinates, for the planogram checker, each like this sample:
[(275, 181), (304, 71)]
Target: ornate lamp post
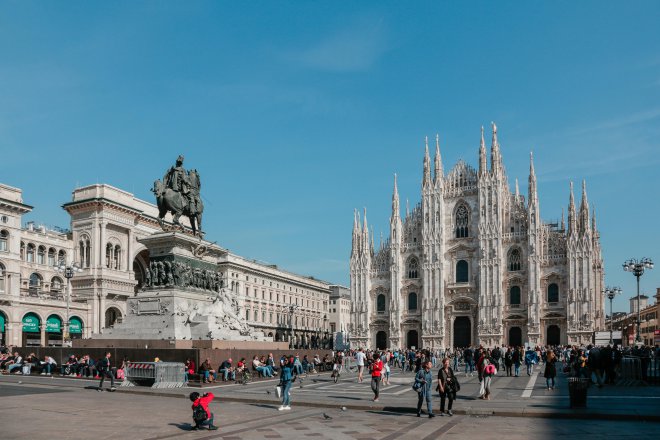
[(68, 270), (637, 268), (610, 293)]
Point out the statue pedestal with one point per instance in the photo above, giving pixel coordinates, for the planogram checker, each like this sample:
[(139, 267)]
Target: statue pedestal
[(184, 296)]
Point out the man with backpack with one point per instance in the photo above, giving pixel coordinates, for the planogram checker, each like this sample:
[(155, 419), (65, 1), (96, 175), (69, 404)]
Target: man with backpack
[(202, 416)]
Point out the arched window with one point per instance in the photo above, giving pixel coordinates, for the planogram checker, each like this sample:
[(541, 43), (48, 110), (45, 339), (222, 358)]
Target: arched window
[(2, 278), (413, 265), (4, 241), (117, 259), (30, 253), (108, 255), (51, 257), (462, 275), (514, 260), (22, 251), (380, 303), (412, 301), (41, 255), (462, 222), (85, 251), (514, 295), (56, 285), (553, 293), (35, 283), (61, 257)]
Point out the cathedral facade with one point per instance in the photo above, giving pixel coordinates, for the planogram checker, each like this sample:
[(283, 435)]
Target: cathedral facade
[(473, 263)]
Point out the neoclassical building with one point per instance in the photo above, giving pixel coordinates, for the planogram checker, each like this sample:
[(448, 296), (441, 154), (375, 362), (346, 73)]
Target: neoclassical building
[(473, 263), (103, 239)]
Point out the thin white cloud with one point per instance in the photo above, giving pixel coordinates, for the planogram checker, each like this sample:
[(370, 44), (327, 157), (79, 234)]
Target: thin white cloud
[(352, 49)]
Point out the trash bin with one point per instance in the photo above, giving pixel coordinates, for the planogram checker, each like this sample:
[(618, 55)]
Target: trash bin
[(577, 391)]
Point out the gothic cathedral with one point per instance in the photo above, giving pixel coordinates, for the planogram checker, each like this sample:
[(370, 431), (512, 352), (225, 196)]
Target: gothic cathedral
[(474, 264)]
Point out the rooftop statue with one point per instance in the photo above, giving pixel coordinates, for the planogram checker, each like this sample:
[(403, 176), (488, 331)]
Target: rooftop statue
[(178, 193)]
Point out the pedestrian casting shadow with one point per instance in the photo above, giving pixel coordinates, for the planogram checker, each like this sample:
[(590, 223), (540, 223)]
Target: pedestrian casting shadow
[(344, 397), (91, 387), (397, 413), (182, 426), (263, 405)]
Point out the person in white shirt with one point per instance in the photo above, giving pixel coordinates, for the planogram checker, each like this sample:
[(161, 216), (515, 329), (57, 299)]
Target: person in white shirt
[(359, 360), (48, 365)]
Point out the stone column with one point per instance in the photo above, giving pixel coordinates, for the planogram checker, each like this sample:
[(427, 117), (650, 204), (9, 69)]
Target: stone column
[(102, 246), (129, 252), (42, 328)]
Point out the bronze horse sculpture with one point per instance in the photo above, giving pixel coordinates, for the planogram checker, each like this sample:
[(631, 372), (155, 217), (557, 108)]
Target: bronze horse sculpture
[(176, 203)]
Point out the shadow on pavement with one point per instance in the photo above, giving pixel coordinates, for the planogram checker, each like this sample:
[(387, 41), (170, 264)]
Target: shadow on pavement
[(182, 426)]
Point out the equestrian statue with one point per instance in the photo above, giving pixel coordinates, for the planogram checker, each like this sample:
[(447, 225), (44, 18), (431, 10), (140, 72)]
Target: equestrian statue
[(179, 194)]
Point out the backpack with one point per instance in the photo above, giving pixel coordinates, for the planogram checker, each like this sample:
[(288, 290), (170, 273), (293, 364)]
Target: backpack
[(199, 414)]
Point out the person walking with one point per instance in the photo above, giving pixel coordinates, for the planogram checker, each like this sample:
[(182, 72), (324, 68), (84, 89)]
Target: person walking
[(516, 361), (447, 387), (286, 380), (104, 368), (489, 371), (359, 361), (530, 360), (550, 371), (508, 361), (423, 382), (376, 368)]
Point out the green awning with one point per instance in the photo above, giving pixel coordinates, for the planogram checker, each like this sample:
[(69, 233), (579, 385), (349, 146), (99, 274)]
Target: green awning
[(53, 324), (75, 325), (2, 323), (31, 323)]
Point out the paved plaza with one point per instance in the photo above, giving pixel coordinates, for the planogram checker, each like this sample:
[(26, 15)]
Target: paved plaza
[(72, 408)]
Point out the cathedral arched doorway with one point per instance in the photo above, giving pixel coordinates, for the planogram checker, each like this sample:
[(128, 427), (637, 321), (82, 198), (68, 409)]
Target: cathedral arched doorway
[(515, 336), (381, 340), (412, 339), (554, 335), (462, 332)]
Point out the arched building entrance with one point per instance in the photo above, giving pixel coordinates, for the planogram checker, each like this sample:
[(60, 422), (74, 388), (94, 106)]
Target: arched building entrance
[(381, 340), (462, 332), (412, 339), (112, 317), (515, 336), (554, 335)]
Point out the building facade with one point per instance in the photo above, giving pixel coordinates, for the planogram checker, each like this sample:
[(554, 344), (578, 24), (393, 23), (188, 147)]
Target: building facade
[(473, 263), (340, 315), (106, 226)]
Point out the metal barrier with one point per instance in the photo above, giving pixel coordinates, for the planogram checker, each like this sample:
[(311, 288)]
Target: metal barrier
[(630, 370), (155, 374)]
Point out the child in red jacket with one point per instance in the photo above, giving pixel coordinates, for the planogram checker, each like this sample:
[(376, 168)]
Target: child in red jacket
[(202, 416)]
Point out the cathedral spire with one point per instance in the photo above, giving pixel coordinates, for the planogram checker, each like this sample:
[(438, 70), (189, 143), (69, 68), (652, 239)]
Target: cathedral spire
[(482, 154), (395, 202), (584, 209), (563, 223), (593, 218), (427, 165), (572, 220), (532, 180), (438, 174), (517, 197), (407, 208), (494, 151)]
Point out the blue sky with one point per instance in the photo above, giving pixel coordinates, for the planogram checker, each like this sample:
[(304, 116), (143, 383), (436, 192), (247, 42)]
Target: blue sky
[(295, 113)]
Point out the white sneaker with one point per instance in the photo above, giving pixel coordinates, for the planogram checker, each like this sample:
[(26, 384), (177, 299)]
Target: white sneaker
[(287, 407), (43, 374), (281, 408)]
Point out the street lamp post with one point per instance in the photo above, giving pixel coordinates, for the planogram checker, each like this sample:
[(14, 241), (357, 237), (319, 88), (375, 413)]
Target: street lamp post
[(68, 270), (292, 309), (637, 268), (611, 292)]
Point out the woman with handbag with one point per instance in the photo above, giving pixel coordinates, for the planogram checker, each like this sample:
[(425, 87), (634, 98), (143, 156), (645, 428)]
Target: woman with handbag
[(447, 386), (423, 382)]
